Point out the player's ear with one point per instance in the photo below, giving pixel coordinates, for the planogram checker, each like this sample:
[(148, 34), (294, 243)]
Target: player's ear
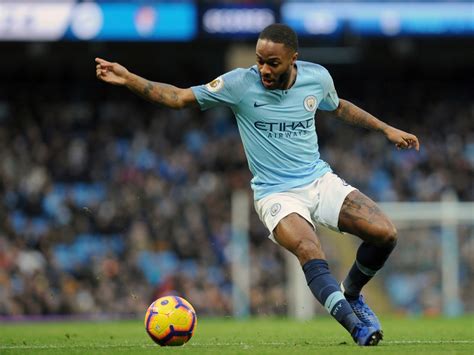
[(294, 58)]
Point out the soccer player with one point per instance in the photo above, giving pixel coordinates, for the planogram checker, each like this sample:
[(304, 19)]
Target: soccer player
[(274, 103)]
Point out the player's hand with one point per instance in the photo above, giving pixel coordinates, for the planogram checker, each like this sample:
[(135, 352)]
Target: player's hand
[(112, 73), (401, 139)]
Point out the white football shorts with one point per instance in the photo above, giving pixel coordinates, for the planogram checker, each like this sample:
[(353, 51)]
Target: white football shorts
[(318, 202)]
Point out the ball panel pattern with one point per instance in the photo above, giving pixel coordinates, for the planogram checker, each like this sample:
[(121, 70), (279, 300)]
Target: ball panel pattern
[(170, 321)]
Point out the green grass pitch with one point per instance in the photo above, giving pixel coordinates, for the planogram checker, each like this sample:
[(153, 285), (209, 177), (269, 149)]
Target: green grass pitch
[(229, 336)]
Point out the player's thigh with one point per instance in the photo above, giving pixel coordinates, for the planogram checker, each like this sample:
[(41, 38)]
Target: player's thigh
[(297, 235), (361, 216), (287, 217)]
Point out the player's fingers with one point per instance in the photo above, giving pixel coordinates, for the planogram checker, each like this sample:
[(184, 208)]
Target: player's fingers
[(101, 72), (101, 61), (413, 142), (405, 143), (104, 64), (416, 143)]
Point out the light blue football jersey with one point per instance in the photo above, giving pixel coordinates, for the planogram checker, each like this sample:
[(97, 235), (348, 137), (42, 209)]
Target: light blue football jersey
[(277, 127)]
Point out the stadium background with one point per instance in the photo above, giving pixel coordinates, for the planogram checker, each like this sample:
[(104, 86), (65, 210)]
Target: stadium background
[(109, 201)]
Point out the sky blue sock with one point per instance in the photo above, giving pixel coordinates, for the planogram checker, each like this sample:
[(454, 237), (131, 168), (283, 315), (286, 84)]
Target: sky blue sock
[(326, 290)]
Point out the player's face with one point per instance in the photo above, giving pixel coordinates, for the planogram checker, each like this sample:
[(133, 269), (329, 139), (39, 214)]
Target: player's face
[(275, 62)]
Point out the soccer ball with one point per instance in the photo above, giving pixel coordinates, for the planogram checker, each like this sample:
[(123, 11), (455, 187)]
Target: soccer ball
[(170, 320)]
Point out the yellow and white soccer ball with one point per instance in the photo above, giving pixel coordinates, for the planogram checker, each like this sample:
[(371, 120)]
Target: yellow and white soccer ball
[(170, 321)]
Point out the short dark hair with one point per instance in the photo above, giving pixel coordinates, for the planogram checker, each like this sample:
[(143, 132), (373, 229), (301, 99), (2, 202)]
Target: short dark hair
[(280, 33)]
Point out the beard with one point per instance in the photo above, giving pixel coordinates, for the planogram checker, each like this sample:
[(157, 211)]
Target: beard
[(280, 82), (283, 81)]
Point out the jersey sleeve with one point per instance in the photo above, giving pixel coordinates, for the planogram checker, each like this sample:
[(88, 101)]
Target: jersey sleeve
[(227, 90), (330, 101)]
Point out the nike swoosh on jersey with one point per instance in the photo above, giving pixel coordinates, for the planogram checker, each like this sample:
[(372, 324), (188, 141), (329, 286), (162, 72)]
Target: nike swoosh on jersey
[(256, 104)]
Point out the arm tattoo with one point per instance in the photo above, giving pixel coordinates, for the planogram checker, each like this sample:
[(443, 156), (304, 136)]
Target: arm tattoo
[(148, 88), (163, 94), (354, 115)]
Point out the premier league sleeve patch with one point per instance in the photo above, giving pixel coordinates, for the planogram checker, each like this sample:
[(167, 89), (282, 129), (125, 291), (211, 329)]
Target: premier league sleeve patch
[(310, 103), (215, 85)]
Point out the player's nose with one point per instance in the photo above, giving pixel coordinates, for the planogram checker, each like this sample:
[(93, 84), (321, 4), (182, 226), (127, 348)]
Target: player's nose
[(265, 70)]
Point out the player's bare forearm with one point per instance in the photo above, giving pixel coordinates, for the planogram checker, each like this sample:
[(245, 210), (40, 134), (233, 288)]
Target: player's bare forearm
[(163, 94), (350, 113)]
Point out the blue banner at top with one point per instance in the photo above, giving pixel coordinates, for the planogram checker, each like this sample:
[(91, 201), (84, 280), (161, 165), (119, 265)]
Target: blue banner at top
[(134, 22), (380, 18)]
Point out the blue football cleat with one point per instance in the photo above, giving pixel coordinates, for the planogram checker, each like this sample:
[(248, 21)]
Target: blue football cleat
[(366, 336), (365, 314), (363, 311)]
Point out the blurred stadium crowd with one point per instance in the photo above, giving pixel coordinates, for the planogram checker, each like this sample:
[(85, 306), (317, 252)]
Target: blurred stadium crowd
[(109, 202)]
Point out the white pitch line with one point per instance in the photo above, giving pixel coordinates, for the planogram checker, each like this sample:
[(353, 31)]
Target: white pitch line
[(73, 346), (429, 342)]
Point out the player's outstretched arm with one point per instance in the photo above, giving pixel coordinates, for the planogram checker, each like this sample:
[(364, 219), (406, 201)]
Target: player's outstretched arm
[(350, 113), (163, 94)]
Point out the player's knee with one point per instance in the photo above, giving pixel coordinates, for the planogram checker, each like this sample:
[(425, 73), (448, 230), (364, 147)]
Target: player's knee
[(388, 234), (307, 249)]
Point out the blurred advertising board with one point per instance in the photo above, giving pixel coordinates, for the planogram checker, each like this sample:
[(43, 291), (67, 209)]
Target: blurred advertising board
[(236, 21), (97, 21), (383, 18)]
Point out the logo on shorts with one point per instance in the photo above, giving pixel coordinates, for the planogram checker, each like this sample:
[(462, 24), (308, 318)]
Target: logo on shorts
[(275, 209)]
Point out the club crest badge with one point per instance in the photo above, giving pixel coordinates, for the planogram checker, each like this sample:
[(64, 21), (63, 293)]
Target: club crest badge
[(310, 103), (215, 85), (276, 207)]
